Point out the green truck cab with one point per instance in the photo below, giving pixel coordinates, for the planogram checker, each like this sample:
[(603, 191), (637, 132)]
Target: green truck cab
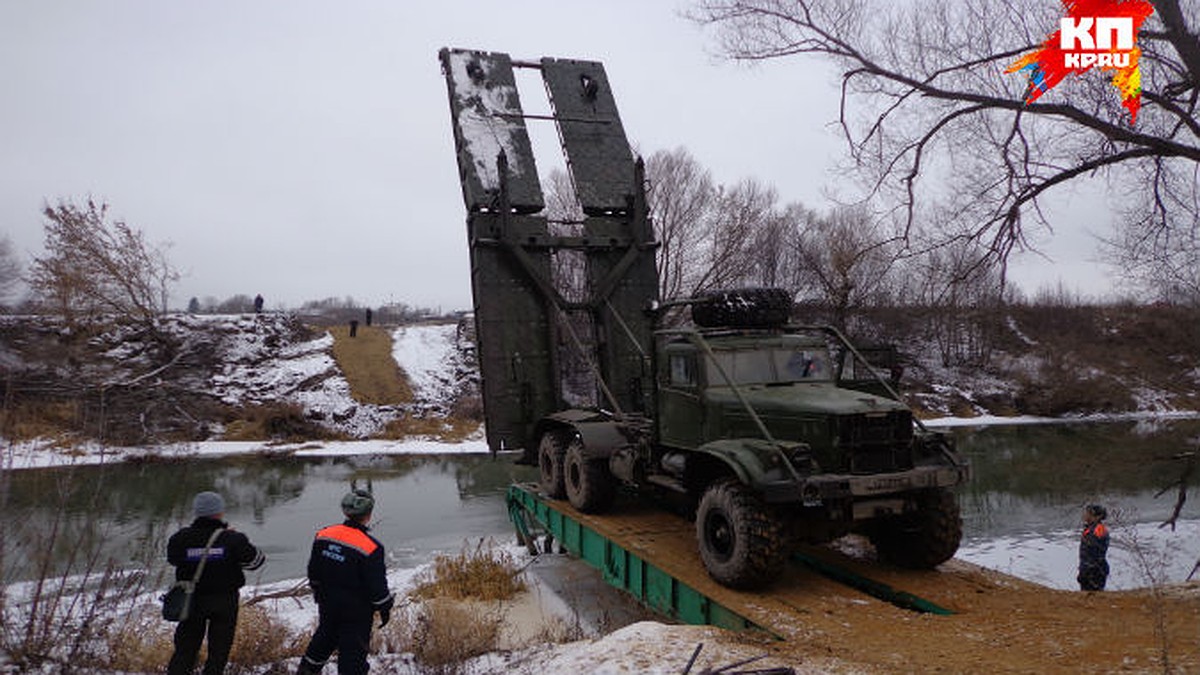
[(835, 459), (768, 434)]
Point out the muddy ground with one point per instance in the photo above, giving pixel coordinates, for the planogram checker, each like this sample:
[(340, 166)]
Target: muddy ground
[(1001, 624)]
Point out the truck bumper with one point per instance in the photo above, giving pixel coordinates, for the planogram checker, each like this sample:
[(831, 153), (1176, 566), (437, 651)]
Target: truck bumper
[(816, 490)]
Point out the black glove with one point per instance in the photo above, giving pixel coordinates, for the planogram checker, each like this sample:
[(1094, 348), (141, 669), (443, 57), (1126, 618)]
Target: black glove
[(385, 610)]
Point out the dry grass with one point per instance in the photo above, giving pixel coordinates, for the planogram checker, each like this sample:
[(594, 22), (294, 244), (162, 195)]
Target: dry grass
[(456, 611), (367, 363), (262, 639), (32, 419), (141, 644), (480, 573), (274, 421), (442, 634), (444, 429)]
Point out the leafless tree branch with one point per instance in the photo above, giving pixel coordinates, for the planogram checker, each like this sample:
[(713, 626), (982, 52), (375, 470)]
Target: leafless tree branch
[(931, 116), (92, 265)]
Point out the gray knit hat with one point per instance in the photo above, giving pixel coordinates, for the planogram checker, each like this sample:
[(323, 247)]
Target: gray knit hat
[(208, 504)]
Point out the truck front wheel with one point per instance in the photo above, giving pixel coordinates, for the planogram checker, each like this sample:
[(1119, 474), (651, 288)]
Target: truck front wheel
[(590, 486), (741, 541), (551, 451), (924, 538)]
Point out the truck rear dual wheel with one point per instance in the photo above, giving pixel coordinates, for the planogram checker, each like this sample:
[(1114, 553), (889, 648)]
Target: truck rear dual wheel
[(552, 451), (590, 486), (924, 538), (741, 542)]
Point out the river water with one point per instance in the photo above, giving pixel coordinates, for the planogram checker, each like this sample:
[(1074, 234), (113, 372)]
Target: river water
[(1021, 511)]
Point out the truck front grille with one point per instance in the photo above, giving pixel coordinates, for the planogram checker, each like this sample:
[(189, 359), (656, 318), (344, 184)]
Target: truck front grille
[(876, 443)]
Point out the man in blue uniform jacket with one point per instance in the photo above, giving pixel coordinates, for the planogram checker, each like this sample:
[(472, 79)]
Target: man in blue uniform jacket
[(349, 581), (1093, 549), (215, 604)]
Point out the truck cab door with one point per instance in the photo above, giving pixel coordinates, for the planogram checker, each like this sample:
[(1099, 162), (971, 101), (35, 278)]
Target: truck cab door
[(680, 412)]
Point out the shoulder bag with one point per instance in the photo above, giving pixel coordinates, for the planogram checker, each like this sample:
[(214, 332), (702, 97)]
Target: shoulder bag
[(177, 601)]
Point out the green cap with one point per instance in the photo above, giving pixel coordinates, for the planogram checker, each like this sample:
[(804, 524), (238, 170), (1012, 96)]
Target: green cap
[(358, 503)]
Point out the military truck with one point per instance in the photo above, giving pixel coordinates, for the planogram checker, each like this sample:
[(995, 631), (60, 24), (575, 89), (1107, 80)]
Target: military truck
[(768, 433)]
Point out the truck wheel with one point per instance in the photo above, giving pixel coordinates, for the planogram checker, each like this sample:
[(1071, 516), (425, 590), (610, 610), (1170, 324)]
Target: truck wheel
[(741, 541), (923, 539), (551, 450), (744, 307), (590, 485)]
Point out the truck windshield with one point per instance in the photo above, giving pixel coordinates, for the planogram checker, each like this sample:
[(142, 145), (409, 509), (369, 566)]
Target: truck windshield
[(768, 366)]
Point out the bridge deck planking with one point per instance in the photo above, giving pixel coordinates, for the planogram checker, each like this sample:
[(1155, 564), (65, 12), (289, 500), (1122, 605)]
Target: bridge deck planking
[(668, 541), (815, 615)]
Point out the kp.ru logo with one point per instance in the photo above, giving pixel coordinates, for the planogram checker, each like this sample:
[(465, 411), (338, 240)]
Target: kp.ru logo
[(1094, 33), (1081, 50)]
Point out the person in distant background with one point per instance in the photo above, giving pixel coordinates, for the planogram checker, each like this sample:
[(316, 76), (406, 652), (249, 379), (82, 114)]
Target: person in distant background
[(258, 303), (1093, 549), (215, 603)]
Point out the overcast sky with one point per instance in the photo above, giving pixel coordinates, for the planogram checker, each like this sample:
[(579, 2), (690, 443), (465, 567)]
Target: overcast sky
[(301, 149)]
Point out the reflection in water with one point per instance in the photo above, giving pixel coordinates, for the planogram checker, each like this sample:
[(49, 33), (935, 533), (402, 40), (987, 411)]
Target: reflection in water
[(424, 505), (1021, 512)]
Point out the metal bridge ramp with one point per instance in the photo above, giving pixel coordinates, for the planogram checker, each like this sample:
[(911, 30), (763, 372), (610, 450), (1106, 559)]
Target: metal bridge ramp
[(524, 323)]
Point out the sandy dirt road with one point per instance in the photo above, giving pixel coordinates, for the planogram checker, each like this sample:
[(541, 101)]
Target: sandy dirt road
[(999, 623)]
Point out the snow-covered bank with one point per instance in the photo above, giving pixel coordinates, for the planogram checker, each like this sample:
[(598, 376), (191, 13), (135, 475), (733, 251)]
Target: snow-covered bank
[(528, 622), (47, 454), (998, 420), (1141, 555), (433, 361)]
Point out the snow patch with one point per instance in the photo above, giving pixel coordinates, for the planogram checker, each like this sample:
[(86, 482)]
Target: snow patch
[(429, 356), (1012, 325), (489, 119)]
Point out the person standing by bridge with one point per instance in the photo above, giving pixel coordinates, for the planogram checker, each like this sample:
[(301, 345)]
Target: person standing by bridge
[(1093, 549), (349, 582), (224, 554)]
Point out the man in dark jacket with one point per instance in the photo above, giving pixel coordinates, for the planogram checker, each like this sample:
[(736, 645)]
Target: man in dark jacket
[(349, 581), (215, 604), (1093, 550)]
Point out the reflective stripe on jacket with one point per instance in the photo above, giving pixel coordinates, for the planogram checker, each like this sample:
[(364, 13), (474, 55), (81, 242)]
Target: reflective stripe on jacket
[(347, 566), (350, 536), (1093, 548), (230, 554)]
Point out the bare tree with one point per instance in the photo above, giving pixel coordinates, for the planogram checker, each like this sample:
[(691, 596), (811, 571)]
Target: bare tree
[(565, 216), (10, 269), (739, 216), (714, 236), (92, 265), (1163, 263), (961, 296), (843, 260), (562, 204), (773, 260), (930, 115), (681, 194)]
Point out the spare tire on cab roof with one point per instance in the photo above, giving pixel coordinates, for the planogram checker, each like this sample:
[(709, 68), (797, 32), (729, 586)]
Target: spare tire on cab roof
[(742, 308)]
